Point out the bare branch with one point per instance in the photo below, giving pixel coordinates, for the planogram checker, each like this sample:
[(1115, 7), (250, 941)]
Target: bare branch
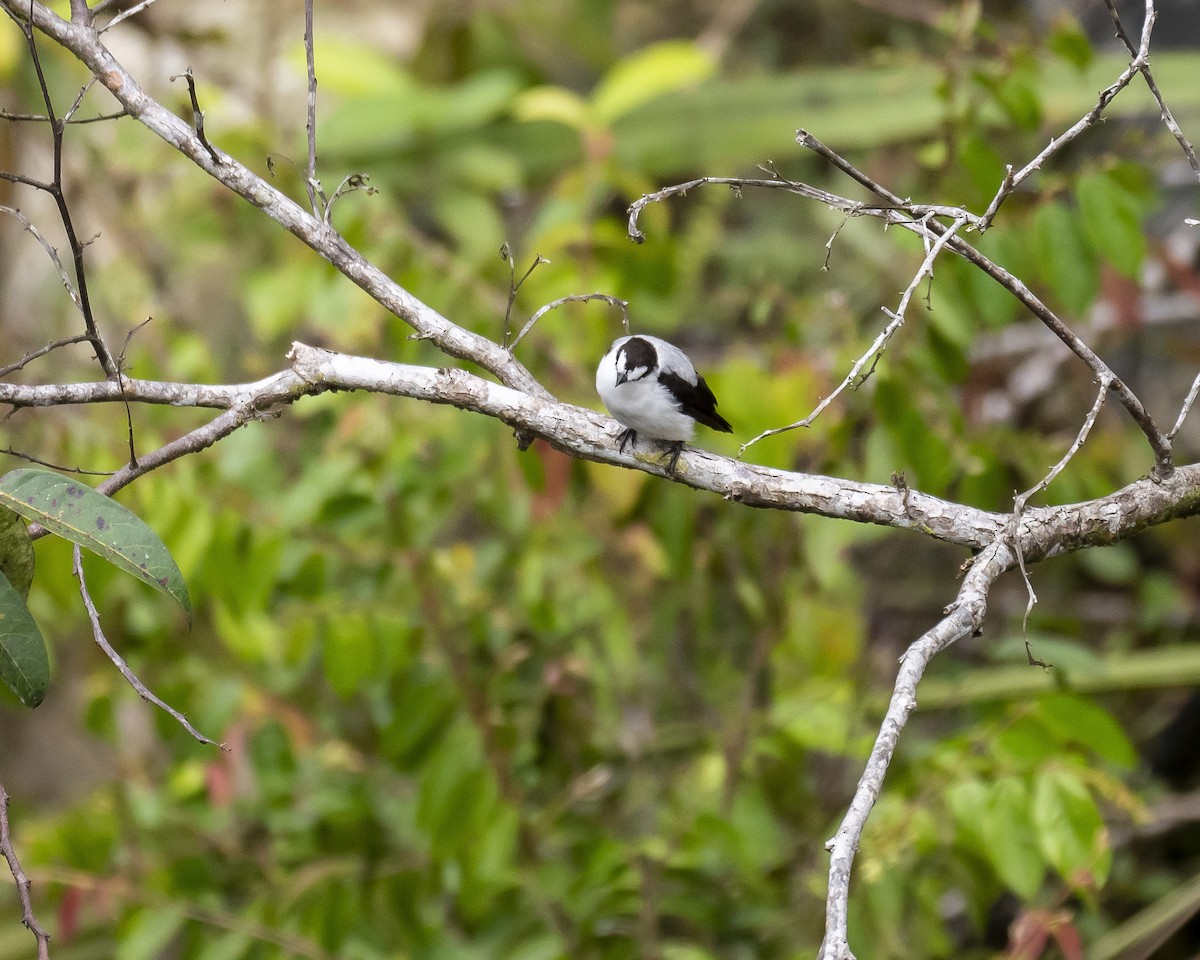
[(41, 118), (428, 323), (964, 617), (125, 15), (58, 265), (119, 661), (514, 285), (622, 305), (880, 344), (1046, 531), (913, 217), (1022, 499), (41, 352), (736, 184), (311, 183), (197, 113), (1168, 118), (23, 884), (24, 19), (1186, 408), (9, 451)]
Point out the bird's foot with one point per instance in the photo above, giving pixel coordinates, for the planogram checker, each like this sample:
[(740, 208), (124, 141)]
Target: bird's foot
[(628, 435), (676, 450)]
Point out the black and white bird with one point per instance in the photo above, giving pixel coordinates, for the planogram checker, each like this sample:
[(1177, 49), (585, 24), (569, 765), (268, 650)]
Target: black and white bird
[(651, 387)]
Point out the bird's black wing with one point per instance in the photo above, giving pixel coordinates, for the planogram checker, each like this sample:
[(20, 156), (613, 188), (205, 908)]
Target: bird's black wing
[(695, 399)]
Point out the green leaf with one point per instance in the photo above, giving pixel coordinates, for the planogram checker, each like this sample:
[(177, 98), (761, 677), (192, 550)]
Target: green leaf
[(226, 946), (1070, 830), (1010, 838), (1025, 741), (1065, 261), (16, 552), (351, 69), (1112, 222), (349, 653), (658, 69), (76, 512), (24, 663), (1072, 718), (967, 800), (1069, 41), (152, 929), (917, 438), (1018, 95), (556, 104)]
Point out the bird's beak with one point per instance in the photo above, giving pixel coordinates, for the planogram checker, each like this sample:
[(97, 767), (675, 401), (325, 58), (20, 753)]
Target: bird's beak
[(621, 377)]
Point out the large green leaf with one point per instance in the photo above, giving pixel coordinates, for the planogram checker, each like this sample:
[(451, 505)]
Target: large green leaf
[(1011, 841), (76, 512), (649, 73), (1065, 261), (1112, 221), (24, 665), (1070, 830), (1075, 719), (16, 552), (150, 931)]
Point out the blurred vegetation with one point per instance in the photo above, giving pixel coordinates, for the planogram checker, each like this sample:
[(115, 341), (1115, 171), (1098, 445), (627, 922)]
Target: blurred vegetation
[(482, 703)]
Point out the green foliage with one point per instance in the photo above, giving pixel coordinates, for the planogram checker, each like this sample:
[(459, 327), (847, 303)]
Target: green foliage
[(16, 552), (483, 703), (81, 515), (24, 663), (84, 516)]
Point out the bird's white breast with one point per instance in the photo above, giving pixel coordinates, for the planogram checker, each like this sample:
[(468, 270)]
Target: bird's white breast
[(645, 405)]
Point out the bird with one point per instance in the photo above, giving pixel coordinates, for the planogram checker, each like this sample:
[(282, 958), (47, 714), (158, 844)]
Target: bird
[(652, 387)]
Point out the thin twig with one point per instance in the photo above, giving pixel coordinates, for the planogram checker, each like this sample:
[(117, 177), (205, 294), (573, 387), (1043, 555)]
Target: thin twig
[(514, 285), (55, 189), (197, 113), (119, 662), (28, 458), (41, 352), (42, 118), (622, 305), (78, 101), (135, 9), (880, 344), (1187, 406), (852, 207), (1022, 499), (54, 257), (121, 382), (1168, 118), (350, 183), (311, 183), (23, 884)]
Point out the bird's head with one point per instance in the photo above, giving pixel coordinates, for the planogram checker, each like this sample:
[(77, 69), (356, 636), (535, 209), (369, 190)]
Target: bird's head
[(636, 359)]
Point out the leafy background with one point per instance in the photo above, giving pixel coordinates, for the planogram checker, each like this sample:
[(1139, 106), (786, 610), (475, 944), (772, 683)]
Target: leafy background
[(490, 704)]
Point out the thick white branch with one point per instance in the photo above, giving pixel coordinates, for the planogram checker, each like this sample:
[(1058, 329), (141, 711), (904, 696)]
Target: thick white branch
[(587, 434)]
